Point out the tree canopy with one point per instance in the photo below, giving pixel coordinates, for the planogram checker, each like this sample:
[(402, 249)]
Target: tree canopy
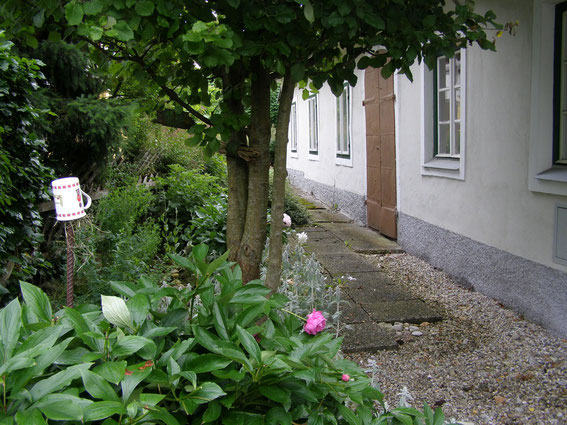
[(177, 50)]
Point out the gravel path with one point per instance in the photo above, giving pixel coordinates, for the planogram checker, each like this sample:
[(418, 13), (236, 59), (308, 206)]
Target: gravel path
[(483, 363)]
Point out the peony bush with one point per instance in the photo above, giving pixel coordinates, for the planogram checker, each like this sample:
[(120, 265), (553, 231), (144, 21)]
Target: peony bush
[(216, 352)]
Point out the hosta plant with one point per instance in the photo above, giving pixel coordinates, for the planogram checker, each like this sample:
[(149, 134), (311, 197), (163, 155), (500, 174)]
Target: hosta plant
[(216, 352)]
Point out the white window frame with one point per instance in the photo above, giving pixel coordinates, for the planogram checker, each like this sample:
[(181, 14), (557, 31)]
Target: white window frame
[(543, 175), (432, 164), (344, 119), (313, 135), (292, 131)]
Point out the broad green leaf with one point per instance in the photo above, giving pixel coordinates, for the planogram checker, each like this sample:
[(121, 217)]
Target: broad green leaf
[(404, 419), (233, 3), (220, 322), (250, 293), (144, 8), (62, 407), (297, 72), (163, 415), (122, 31), (349, 415), (277, 394), (200, 251), (205, 393), (155, 332), (135, 374), (213, 412), (126, 289), (16, 363), (438, 417), (74, 13), (93, 7), (249, 343), (218, 262), (151, 399), (30, 417), (207, 363), (95, 33), (278, 416), (57, 381), (138, 306), (240, 418), (10, 325), (97, 387), (37, 301), (112, 371), (130, 344), (308, 11), (183, 261), (103, 409), (71, 357), (116, 312)]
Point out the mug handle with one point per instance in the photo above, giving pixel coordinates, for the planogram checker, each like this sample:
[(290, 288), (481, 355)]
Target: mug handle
[(89, 200)]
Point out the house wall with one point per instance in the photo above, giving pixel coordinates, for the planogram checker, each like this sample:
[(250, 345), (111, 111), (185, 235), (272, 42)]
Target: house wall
[(340, 184), (486, 227)]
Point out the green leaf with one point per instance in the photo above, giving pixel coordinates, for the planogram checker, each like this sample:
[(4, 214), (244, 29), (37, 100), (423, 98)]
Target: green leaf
[(116, 312), (93, 7), (131, 381), (37, 301), (308, 11), (207, 363), (213, 412), (163, 415), (297, 72), (138, 306), (250, 293), (204, 393), (112, 371), (217, 263), (103, 409), (404, 419), (277, 394), (233, 3), (62, 407), (200, 251), (159, 331), (183, 261), (122, 31), (220, 322), (144, 8), (58, 381), (30, 417), (126, 289), (16, 363), (278, 416), (74, 13), (240, 418), (81, 326), (95, 33), (130, 344), (10, 325), (98, 387), (349, 415), (439, 417), (249, 343)]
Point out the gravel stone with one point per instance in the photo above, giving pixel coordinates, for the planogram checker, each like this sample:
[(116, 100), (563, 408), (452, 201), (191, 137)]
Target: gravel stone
[(483, 363)]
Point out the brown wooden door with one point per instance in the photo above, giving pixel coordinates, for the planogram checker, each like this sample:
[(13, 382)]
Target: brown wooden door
[(380, 152)]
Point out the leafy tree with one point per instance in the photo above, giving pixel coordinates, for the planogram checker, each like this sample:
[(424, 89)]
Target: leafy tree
[(175, 49), (23, 176)]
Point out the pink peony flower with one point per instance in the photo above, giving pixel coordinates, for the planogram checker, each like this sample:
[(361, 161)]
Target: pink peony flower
[(345, 377), (315, 323), (286, 220)]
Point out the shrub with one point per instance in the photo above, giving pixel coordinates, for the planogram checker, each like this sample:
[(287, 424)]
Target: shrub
[(151, 359)]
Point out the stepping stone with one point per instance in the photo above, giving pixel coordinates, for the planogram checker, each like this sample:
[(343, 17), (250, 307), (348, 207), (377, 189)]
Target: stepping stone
[(325, 216), (373, 287), (342, 264), (362, 239), (325, 245), (352, 313), (406, 311), (368, 337)]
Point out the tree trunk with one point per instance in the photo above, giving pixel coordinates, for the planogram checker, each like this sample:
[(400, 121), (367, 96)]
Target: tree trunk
[(254, 235), (278, 187)]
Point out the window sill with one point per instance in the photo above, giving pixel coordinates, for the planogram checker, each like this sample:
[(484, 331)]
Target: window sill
[(443, 163), (556, 174)]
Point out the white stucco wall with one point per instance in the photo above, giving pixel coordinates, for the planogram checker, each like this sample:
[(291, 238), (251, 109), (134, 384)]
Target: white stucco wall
[(493, 204), (324, 169)]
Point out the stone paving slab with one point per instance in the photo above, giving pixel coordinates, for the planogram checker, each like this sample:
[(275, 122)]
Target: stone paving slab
[(351, 313), (374, 287), (362, 239), (343, 264), (323, 246), (368, 337), (326, 216), (405, 311)]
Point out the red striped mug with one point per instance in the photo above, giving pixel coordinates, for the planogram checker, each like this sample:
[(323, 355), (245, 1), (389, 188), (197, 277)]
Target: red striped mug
[(68, 197)]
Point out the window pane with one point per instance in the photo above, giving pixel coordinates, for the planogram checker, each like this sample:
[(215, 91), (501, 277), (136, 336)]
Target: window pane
[(444, 146), (563, 139), (457, 105), (457, 150), (443, 72), (457, 71), (444, 105)]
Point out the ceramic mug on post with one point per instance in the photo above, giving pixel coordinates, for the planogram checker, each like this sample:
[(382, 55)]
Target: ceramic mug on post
[(68, 197)]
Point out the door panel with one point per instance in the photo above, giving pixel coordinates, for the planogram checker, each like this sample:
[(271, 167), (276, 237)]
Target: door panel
[(380, 152)]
